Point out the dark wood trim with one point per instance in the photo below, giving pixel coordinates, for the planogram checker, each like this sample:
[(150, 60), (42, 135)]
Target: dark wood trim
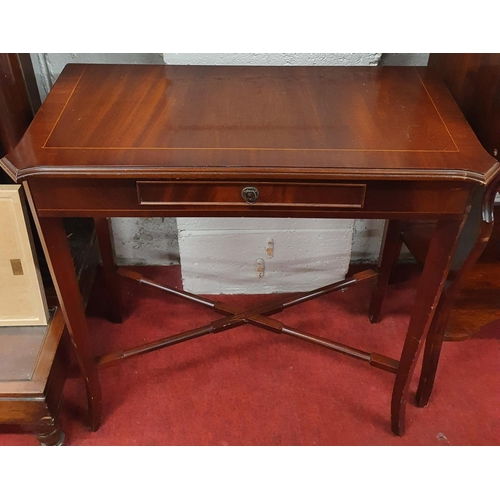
[(19, 99)]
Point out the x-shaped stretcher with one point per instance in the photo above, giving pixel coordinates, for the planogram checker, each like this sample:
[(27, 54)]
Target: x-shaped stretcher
[(257, 316)]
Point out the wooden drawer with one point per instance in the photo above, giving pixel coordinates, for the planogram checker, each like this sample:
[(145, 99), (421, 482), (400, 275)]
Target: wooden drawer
[(208, 198), (267, 194)]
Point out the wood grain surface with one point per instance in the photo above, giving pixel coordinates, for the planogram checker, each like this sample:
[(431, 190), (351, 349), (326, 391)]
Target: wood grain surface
[(363, 122)]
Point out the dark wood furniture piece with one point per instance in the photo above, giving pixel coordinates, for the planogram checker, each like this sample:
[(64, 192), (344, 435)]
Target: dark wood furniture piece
[(335, 142), (474, 83), (19, 99), (32, 378)]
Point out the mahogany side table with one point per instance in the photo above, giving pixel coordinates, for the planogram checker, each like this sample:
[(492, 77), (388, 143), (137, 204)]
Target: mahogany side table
[(332, 142)]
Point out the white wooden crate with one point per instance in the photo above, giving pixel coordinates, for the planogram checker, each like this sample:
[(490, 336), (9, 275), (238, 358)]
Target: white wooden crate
[(225, 256)]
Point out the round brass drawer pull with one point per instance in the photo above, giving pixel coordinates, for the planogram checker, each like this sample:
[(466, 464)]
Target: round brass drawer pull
[(250, 195)]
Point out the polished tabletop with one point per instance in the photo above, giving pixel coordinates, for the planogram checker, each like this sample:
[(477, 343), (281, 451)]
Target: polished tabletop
[(356, 122)]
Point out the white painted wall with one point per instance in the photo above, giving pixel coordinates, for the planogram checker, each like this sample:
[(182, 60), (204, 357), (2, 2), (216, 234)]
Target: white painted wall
[(155, 241), (260, 59)]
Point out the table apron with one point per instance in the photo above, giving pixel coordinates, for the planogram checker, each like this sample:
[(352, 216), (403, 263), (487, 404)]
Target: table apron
[(63, 197)]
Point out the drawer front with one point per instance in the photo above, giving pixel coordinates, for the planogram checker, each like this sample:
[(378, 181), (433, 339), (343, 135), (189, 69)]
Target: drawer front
[(205, 198), (266, 194)]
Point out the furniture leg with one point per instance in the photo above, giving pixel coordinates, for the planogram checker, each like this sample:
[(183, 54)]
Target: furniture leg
[(60, 262), (111, 279), (431, 283), (389, 252), (472, 242)]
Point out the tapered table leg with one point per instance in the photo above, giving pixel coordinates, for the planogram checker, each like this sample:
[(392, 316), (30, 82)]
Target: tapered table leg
[(389, 253), (111, 279), (473, 240), (431, 284), (58, 254)]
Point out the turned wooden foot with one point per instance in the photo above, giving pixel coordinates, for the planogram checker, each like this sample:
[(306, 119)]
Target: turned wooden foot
[(52, 437)]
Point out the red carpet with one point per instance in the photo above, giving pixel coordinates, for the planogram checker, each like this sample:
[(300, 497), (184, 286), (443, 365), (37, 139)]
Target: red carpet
[(251, 387)]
